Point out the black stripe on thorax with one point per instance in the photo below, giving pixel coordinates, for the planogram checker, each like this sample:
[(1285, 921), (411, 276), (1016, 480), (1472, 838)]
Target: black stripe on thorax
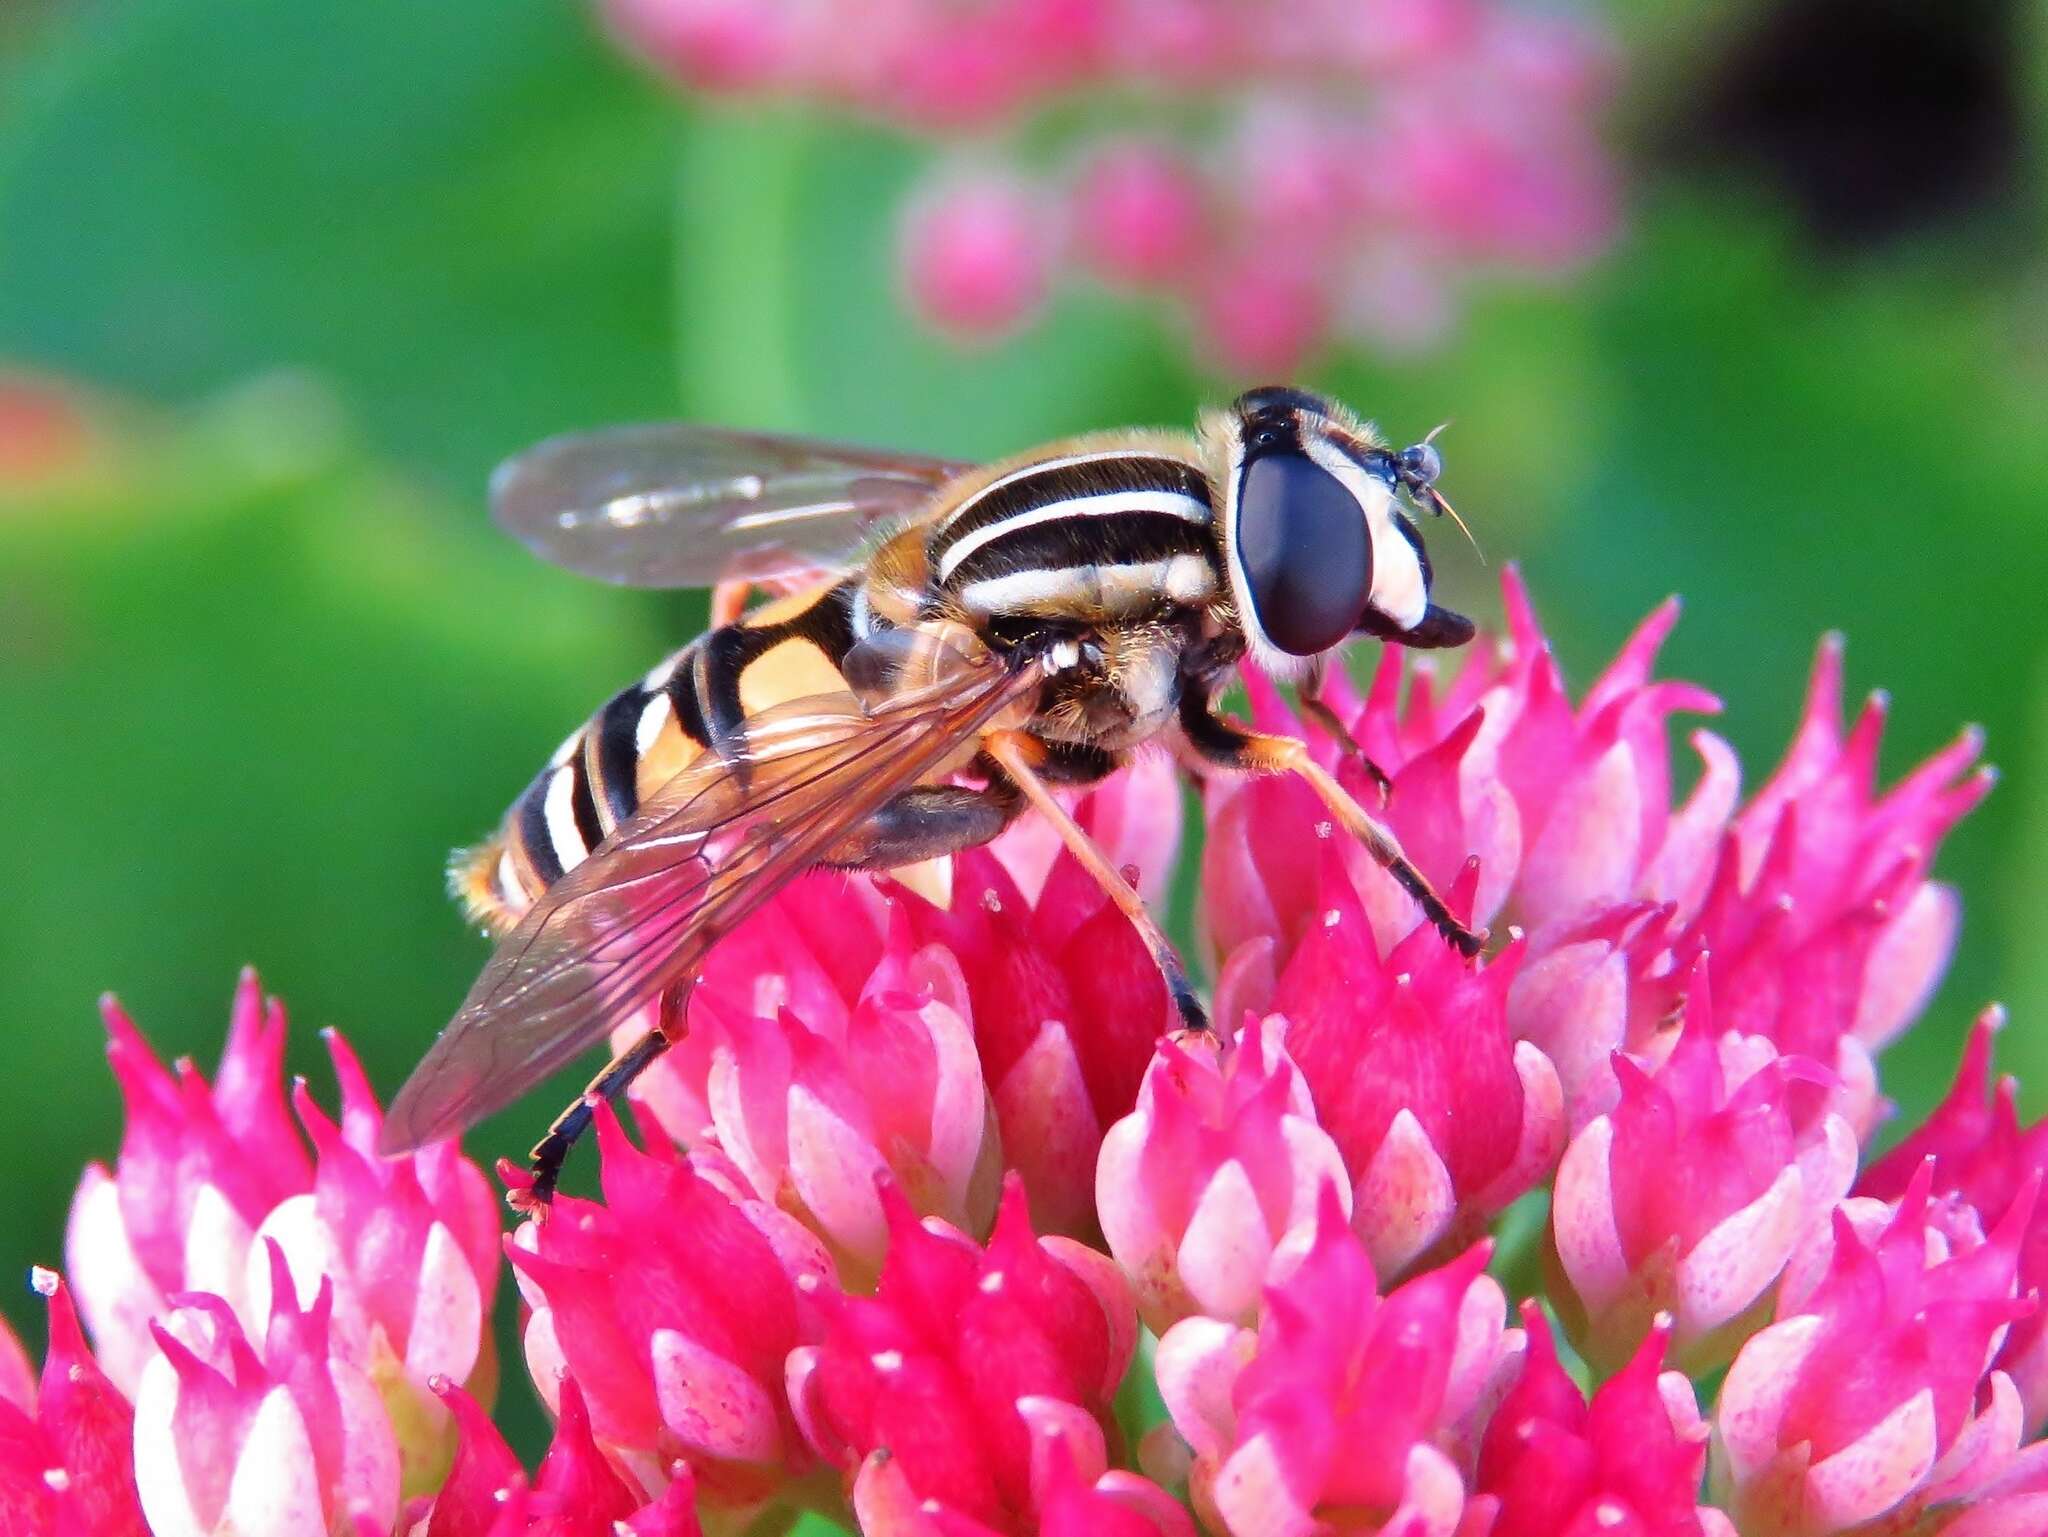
[(615, 733), (531, 823), (1030, 489)]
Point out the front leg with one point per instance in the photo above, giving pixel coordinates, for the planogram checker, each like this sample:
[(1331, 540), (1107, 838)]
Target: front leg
[(1218, 740), (1308, 693)]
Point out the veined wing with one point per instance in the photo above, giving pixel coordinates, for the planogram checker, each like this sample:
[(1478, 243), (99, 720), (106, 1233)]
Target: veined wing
[(710, 846), (679, 505)]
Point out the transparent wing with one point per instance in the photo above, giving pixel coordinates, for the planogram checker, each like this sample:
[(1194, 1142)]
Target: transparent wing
[(677, 505), (708, 848)]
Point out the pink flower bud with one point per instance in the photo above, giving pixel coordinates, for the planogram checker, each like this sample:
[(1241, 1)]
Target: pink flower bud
[(1138, 214), (200, 1168), (577, 1493), (289, 1439), (1219, 1162), (1441, 1116), (1689, 1198), (1872, 1399), (66, 1445), (673, 1307), (976, 254), (946, 1385), (1072, 1491), (810, 1123), (1341, 1401), (1067, 1005), (409, 1248), (1982, 1154), (1553, 1465), (718, 45), (1260, 317)]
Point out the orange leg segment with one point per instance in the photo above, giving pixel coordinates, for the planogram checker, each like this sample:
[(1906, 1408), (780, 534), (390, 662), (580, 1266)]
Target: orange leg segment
[(1018, 756)]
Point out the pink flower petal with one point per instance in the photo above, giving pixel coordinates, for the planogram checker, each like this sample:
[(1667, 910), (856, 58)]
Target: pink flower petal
[(1870, 1476), (1403, 1201)]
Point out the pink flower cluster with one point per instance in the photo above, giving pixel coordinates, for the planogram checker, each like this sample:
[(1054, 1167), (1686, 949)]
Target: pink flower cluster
[(937, 1227), (1356, 163)]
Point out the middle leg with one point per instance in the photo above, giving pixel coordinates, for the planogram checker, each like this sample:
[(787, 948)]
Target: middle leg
[(1225, 743), (1021, 758)]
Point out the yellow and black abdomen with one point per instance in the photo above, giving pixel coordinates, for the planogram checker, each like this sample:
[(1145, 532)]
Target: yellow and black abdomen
[(697, 700)]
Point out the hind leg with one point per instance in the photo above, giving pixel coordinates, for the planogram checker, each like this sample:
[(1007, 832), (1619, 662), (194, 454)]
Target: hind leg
[(925, 823)]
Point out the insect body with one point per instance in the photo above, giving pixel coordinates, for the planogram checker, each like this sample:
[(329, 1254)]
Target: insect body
[(1011, 627)]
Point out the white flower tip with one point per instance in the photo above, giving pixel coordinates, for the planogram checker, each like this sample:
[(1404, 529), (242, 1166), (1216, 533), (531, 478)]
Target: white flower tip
[(43, 1280), (807, 1283), (887, 1360), (992, 1282), (1610, 1513), (57, 1479)]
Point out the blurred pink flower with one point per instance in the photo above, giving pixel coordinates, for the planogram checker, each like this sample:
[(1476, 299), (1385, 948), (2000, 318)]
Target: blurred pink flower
[(200, 1168), (1138, 213), (1341, 1401), (290, 1439), (1553, 1465), (66, 1442), (1220, 1161), (673, 1307), (1689, 1198), (947, 1384), (1269, 164), (1870, 1398), (977, 254)]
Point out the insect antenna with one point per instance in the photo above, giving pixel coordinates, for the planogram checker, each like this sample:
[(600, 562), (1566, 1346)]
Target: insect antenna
[(1440, 505)]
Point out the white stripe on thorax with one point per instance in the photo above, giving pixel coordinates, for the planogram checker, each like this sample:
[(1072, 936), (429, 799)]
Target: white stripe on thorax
[(1103, 504), (1065, 461)]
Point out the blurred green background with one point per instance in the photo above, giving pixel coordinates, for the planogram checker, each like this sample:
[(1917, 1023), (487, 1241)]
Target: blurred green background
[(317, 265)]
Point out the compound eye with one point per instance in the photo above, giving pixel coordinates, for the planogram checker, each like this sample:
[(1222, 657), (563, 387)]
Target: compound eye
[(1304, 551), (1421, 464)]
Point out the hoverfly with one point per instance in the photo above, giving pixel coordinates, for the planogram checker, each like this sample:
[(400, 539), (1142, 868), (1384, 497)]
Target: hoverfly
[(1008, 628)]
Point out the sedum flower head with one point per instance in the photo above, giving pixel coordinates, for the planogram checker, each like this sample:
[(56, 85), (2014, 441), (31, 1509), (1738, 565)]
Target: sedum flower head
[(937, 1228)]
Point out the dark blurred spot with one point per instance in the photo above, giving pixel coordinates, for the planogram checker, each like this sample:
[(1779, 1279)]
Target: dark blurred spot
[(1876, 118)]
